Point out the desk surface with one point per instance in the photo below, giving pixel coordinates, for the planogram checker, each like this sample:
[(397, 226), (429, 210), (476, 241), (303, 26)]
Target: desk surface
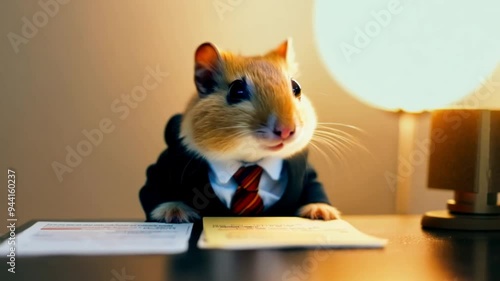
[(411, 254)]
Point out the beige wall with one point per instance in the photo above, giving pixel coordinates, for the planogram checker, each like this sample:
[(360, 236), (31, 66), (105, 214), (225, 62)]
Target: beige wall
[(67, 76)]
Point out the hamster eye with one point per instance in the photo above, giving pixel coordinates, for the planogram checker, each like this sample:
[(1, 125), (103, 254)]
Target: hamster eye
[(296, 89), (238, 92)]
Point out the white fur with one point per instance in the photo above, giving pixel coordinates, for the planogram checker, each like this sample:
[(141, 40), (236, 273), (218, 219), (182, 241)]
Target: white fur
[(174, 212), (319, 211), (252, 149)]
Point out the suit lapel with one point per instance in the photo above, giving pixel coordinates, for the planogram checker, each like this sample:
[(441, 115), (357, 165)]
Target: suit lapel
[(197, 184), (295, 171)]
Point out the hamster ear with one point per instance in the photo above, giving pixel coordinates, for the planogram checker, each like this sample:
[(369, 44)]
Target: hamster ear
[(283, 48), (207, 68), (285, 51)]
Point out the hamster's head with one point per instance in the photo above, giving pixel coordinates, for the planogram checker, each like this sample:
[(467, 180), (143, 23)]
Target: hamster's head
[(247, 108)]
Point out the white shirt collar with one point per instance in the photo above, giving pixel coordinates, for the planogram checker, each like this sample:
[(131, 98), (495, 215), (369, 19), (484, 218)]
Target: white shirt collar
[(224, 170)]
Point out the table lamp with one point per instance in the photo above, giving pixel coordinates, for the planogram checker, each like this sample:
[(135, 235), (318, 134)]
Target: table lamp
[(466, 160), (419, 56)]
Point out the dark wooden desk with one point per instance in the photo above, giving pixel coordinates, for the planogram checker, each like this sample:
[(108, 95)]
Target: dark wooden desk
[(412, 254)]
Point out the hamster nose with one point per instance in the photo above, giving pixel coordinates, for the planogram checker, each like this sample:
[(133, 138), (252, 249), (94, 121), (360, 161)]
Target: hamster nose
[(284, 132)]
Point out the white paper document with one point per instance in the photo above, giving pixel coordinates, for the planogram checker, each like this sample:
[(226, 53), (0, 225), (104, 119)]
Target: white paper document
[(99, 238), (282, 232)]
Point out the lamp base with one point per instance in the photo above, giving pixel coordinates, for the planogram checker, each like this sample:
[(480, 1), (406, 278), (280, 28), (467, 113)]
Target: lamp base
[(443, 219)]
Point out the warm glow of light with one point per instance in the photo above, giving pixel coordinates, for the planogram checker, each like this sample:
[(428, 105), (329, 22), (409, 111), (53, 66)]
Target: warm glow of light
[(410, 55)]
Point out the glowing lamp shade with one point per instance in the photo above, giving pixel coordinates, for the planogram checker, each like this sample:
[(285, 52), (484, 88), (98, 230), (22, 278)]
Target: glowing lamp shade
[(409, 55)]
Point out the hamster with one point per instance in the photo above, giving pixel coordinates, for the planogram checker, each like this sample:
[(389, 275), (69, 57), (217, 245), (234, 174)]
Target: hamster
[(246, 109)]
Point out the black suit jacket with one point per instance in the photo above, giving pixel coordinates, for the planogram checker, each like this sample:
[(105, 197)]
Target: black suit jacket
[(180, 175)]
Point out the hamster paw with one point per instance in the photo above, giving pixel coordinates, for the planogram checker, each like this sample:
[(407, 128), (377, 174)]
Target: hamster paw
[(319, 211), (174, 212)]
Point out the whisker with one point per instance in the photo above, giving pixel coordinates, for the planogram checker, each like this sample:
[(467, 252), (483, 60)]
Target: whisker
[(340, 136), (346, 138), (329, 129), (341, 147), (324, 124), (337, 152), (351, 141), (339, 140), (332, 151), (328, 160), (339, 133), (342, 141)]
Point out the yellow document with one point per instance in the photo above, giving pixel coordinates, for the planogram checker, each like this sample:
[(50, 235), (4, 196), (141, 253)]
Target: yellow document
[(282, 232)]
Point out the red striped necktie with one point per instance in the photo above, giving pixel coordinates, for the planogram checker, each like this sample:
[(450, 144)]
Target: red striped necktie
[(246, 200)]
